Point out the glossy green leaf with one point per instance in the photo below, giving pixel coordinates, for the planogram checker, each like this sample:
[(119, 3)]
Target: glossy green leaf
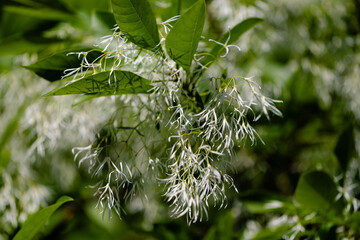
[(345, 148), (52, 68), (317, 191), (136, 20), (35, 222), (105, 84), (183, 39), (234, 33)]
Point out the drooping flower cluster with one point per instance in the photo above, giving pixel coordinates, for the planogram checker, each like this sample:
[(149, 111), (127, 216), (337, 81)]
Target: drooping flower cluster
[(197, 143), (204, 145)]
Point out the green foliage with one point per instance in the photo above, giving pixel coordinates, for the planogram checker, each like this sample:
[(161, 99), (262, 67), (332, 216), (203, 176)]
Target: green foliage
[(317, 191), (345, 148), (223, 229), (231, 37), (40, 13), (35, 222), (269, 233), (183, 39), (5, 157), (328, 232), (354, 221), (52, 68), (105, 84), (137, 21), (262, 203)]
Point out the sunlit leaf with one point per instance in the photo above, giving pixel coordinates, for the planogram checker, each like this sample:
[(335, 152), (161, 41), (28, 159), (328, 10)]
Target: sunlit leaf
[(183, 39), (105, 84), (136, 20), (52, 68), (35, 222)]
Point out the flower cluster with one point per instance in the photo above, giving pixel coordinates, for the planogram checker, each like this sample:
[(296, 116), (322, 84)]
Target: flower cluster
[(205, 142), (198, 143)]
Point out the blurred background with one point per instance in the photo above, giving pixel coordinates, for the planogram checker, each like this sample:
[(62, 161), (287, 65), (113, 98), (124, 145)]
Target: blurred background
[(305, 53)]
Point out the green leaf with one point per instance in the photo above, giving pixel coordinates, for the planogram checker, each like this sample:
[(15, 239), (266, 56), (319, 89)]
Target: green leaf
[(328, 232), (345, 148), (272, 233), (183, 39), (52, 68), (83, 98), (223, 229), (136, 20), (5, 157), (235, 34), (317, 191), (40, 13), (260, 202), (105, 84), (107, 18), (35, 222), (87, 6), (20, 44)]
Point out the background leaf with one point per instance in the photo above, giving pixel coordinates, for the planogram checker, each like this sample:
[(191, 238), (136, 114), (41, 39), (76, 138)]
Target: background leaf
[(184, 37), (354, 221), (317, 191), (224, 229), (40, 13), (235, 34), (107, 18), (105, 84), (328, 232), (35, 222), (260, 202), (272, 233), (345, 147), (52, 68), (136, 20)]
